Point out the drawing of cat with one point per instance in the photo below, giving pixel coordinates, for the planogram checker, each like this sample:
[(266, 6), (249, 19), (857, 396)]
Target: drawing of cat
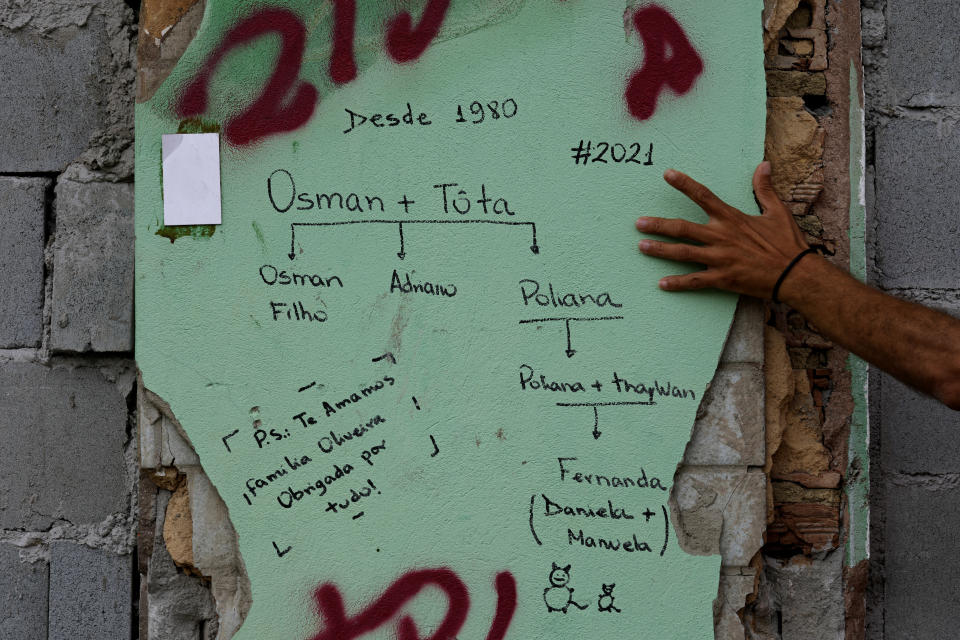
[(605, 599), (558, 596)]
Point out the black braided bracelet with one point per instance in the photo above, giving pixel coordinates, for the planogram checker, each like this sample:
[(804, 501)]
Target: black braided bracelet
[(783, 276)]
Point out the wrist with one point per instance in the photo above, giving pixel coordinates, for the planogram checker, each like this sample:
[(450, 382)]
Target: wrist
[(805, 282), (775, 296)]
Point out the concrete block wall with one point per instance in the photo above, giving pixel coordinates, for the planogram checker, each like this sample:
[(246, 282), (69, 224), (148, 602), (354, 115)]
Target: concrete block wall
[(913, 111), (67, 380), (65, 348)]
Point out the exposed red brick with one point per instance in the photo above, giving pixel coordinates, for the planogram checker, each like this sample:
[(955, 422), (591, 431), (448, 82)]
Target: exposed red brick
[(805, 528)]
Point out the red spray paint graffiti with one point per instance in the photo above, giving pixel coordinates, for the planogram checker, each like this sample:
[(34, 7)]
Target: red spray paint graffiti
[(287, 102), (506, 587), (337, 626), (660, 30), (343, 65), (405, 43), (284, 105)]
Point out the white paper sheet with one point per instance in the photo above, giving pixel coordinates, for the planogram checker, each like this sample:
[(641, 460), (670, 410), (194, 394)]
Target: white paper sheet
[(191, 178)]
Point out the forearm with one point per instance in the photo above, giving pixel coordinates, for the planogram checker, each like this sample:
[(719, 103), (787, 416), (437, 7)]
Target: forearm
[(747, 254), (918, 345)]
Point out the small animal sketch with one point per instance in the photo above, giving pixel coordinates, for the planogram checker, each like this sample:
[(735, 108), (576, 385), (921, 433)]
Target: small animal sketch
[(605, 599), (558, 596)]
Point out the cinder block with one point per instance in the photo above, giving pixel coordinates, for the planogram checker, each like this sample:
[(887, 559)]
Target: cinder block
[(745, 340), (921, 35), (729, 426), (51, 97), (23, 596), (922, 568), (93, 268), (62, 450), (918, 433), (917, 200), (810, 593), (721, 511), (21, 260), (90, 593)]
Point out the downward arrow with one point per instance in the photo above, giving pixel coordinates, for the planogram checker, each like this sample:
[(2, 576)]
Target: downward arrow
[(596, 424), (570, 349)]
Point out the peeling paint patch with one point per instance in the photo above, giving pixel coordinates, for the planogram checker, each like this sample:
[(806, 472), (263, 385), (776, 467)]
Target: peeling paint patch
[(858, 469), (166, 29), (855, 580), (259, 232), (192, 231), (400, 321), (161, 15), (198, 125)]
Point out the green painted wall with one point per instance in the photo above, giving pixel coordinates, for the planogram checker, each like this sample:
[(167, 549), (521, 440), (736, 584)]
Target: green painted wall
[(210, 344), (858, 469)]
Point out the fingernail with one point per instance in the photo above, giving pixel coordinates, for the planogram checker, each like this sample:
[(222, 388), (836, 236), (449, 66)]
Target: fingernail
[(669, 174), (644, 245), (664, 284), (765, 168), (643, 223)]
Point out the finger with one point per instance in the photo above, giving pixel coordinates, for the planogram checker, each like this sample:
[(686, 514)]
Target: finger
[(696, 192), (674, 228), (688, 282), (763, 190), (679, 251)]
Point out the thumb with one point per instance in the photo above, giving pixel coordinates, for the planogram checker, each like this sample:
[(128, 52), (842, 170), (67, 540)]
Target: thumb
[(763, 189)]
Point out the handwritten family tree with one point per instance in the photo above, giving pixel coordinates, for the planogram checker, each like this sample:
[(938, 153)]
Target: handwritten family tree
[(420, 358)]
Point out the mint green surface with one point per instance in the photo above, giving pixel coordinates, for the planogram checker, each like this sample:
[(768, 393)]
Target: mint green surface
[(858, 467), (208, 343)]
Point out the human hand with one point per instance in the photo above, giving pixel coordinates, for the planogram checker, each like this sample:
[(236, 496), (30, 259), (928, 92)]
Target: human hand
[(744, 254)]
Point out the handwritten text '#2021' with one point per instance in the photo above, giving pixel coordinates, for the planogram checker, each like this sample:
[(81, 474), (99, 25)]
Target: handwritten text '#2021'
[(287, 102)]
